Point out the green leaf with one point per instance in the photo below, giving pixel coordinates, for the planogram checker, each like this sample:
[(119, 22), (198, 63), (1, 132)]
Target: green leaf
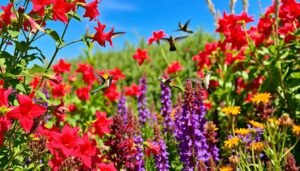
[(54, 36), (21, 88), (13, 33), (74, 15), (36, 69), (42, 96)]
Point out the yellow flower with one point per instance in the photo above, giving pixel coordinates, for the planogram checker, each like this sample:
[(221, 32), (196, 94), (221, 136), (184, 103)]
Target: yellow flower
[(256, 124), (261, 97), (296, 130), (232, 142), (232, 110), (242, 131), (257, 146), (273, 121), (226, 168)]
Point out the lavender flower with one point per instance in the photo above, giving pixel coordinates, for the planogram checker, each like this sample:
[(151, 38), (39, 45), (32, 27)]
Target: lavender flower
[(162, 160), (189, 130), (140, 165), (166, 105), (143, 111), (122, 108)]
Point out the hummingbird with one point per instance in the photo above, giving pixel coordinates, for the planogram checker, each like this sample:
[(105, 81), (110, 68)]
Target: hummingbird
[(169, 82), (117, 34), (204, 82), (184, 27), (105, 82), (172, 41)]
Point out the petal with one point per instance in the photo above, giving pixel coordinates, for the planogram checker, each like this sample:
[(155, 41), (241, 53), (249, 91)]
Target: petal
[(26, 124), (37, 110), (23, 99), (15, 113)]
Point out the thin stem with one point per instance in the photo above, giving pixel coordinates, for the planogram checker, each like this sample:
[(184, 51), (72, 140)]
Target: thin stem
[(76, 41)]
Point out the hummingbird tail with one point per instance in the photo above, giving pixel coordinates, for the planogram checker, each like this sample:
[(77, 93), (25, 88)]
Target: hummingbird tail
[(172, 48)]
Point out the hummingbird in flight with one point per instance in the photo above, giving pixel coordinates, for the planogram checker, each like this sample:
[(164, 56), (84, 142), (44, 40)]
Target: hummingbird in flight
[(117, 34), (171, 40), (204, 82), (169, 82), (184, 27), (105, 82)]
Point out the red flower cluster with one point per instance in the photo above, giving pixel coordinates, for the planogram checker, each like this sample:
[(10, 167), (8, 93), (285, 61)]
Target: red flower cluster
[(141, 56), (233, 28), (202, 59)]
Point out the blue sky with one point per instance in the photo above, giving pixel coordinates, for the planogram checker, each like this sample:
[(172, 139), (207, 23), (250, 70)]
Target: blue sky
[(139, 18)]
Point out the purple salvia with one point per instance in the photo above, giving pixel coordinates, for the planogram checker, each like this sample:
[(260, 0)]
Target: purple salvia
[(189, 131), (140, 165), (122, 108), (166, 107), (211, 137), (162, 159), (143, 111)]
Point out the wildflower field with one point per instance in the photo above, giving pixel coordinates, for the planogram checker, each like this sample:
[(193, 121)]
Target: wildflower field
[(199, 102)]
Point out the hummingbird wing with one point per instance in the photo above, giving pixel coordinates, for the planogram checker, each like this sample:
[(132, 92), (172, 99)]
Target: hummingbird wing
[(180, 38), (179, 25), (117, 34), (165, 39), (196, 80), (186, 25), (99, 78)]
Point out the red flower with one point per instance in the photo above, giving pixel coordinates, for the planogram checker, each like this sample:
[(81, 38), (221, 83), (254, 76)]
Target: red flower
[(83, 93), (58, 90), (61, 67), (4, 127), (232, 26), (4, 93), (157, 35), (111, 93), (240, 85), (91, 10), (87, 72), (60, 10), (117, 73), (72, 108), (230, 58), (101, 37), (174, 67), (5, 17), (133, 90), (66, 142), (72, 78), (102, 124), (39, 5), (26, 111), (106, 167), (86, 150), (152, 148), (203, 57), (140, 56)]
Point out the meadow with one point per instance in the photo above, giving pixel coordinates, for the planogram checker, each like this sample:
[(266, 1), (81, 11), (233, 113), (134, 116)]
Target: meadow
[(228, 101)]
